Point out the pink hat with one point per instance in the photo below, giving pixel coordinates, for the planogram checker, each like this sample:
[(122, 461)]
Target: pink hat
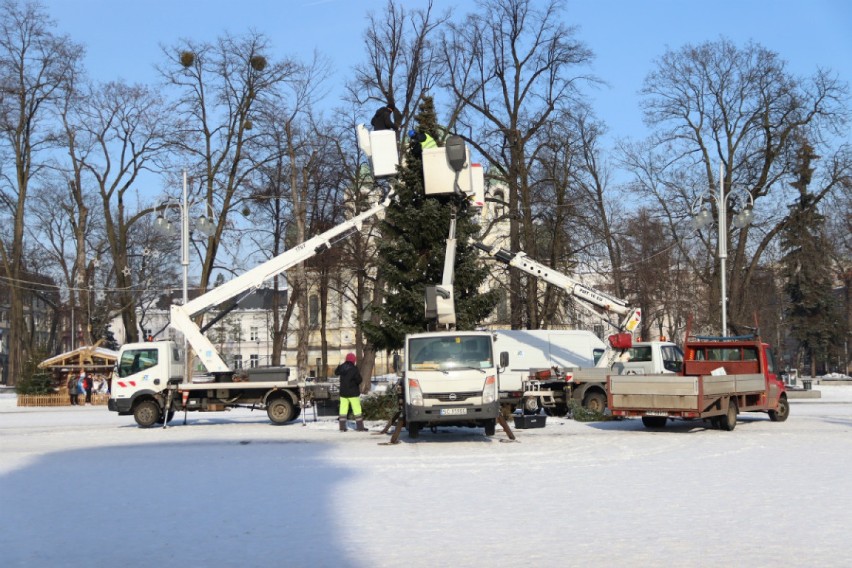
[(350, 358)]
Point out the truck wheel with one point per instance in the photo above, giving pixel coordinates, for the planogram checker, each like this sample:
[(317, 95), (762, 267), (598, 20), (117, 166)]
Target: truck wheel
[(595, 402), (491, 427), (654, 421), (729, 421), (169, 416), (280, 410), (413, 429), (782, 411), (530, 405), (147, 413)]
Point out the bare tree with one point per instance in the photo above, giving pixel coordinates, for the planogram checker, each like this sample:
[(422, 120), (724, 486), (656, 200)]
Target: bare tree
[(222, 89), (716, 103), (36, 65), (115, 133), (402, 63), (509, 70), (294, 171)]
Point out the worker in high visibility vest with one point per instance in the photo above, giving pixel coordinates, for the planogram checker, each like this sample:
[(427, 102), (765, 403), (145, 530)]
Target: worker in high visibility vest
[(419, 141)]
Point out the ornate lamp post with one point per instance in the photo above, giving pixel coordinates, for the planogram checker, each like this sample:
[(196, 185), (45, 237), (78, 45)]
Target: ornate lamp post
[(704, 218)]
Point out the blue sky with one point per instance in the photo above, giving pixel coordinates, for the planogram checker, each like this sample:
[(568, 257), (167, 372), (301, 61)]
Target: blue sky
[(123, 37)]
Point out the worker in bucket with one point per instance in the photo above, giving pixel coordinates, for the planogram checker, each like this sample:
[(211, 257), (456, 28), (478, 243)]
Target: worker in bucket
[(350, 393), (420, 141)]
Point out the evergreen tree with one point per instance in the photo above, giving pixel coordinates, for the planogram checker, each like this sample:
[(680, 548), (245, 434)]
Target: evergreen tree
[(412, 249), (814, 314)]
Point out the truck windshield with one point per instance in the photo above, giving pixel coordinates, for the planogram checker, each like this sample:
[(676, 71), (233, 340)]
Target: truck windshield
[(449, 352), (135, 360)]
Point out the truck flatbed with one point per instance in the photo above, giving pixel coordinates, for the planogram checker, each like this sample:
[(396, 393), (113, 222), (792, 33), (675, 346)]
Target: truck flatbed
[(675, 392)]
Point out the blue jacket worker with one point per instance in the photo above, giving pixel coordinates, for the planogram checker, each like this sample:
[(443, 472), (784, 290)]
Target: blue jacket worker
[(350, 393)]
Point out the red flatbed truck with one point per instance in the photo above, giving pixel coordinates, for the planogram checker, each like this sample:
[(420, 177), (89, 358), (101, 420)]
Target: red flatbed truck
[(721, 377)]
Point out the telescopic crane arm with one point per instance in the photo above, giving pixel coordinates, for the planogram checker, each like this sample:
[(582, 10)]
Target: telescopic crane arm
[(181, 316), (632, 316)]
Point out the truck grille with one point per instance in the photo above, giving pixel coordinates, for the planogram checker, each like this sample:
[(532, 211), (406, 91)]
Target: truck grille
[(453, 397)]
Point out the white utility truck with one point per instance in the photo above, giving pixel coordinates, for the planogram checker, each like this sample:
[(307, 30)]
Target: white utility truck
[(450, 377), (553, 386)]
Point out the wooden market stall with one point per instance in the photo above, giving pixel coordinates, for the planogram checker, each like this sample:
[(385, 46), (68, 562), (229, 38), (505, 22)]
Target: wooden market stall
[(97, 362)]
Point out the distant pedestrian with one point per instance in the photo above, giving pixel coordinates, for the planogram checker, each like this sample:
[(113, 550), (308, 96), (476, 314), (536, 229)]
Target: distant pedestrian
[(72, 389), (87, 387), (81, 383), (350, 393)]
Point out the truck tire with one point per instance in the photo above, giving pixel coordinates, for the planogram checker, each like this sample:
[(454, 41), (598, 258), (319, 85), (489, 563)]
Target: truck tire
[(147, 413), (728, 421), (595, 402), (280, 410), (782, 411), (654, 421), (530, 405), (413, 429), (490, 427), (168, 417)]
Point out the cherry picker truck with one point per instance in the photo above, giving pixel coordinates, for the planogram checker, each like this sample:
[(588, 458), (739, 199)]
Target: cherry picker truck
[(553, 389), (149, 381)]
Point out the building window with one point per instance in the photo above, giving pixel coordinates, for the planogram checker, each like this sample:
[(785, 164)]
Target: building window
[(499, 208), (254, 333), (314, 310), (238, 362), (254, 361)]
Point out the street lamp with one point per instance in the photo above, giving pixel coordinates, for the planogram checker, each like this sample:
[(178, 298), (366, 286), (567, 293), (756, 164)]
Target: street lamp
[(703, 218), (204, 225)]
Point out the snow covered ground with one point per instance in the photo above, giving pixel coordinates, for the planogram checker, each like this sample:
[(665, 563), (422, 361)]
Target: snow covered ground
[(80, 486)]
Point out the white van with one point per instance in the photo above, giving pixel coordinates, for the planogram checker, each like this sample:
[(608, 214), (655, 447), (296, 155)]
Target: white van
[(540, 349)]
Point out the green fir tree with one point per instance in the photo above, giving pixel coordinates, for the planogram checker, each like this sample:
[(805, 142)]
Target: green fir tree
[(412, 249), (814, 315)]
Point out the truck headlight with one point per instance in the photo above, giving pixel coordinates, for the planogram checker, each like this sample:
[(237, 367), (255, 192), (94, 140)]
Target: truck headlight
[(489, 393), (415, 395)]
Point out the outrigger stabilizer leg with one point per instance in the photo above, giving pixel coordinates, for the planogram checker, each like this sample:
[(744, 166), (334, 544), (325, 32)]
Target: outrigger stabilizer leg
[(502, 422)]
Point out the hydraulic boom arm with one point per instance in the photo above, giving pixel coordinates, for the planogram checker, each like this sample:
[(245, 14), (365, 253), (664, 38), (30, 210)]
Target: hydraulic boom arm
[(633, 316), (181, 316)]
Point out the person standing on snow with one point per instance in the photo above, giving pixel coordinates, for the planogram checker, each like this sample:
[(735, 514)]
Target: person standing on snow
[(350, 393), (81, 383), (72, 388)]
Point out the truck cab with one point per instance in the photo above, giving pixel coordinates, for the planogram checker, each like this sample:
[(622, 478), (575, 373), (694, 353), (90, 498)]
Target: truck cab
[(451, 378), (142, 372), (651, 357)]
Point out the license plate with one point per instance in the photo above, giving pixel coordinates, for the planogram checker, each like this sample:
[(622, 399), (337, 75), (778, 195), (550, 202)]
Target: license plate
[(453, 411), (656, 413)]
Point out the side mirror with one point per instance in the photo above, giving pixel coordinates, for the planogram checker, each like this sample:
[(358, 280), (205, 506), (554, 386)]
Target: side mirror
[(504, 359)]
